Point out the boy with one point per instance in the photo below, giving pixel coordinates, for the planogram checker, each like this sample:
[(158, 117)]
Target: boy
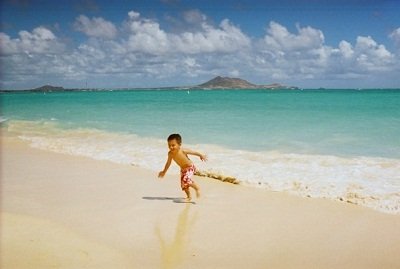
[(180, 156)]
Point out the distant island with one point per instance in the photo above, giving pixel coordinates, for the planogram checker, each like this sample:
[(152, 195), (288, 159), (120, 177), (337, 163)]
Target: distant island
[(237, 83), (213, 84), (45, 88), (48, 88)]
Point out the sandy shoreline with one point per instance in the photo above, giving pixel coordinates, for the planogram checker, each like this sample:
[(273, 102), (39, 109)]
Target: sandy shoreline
[(61, 211)]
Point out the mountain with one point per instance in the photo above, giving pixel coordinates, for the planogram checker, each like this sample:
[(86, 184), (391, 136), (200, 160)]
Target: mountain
[(226, 82), (48, 88), (237, 83)]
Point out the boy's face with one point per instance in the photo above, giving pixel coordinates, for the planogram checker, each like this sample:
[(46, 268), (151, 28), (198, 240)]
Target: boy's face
[(173, 145)]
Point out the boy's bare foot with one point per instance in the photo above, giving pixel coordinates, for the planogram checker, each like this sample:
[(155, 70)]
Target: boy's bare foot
[(188, 199), (197, 193)]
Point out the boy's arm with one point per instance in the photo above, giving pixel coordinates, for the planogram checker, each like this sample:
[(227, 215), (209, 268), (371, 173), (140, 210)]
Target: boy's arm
[(192, 152), (167, 164)]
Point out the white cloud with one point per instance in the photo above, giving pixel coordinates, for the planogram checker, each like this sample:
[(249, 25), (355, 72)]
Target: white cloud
[(304, 55), (372, 56), (280, 38), (284, 54), (133, 15), (194, 17), (8, 46), (96, 27), (346, 49), (144, 53), (41, 40), (225, 39), (191, 63), (395, 35), (147, 36)]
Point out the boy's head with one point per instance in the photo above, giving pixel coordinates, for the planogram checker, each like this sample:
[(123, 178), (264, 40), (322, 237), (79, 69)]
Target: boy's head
[(176, 137), (174, 142)]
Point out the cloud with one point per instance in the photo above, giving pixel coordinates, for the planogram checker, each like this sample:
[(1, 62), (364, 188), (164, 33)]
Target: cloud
[(280, 38), (372, 56), (194, 17), (395, 36), (40, 41), (225, 39), (346, 49), (143, 53), (133, 15), (284, 54), (305, 55), (147, 36), (95, 27)]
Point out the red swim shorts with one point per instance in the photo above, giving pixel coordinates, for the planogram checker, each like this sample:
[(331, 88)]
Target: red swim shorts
[(186, 176)]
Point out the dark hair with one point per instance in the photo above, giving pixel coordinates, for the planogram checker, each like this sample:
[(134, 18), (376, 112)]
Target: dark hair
[(176, 137)]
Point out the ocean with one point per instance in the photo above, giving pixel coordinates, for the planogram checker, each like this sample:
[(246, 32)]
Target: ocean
[(342, 145)]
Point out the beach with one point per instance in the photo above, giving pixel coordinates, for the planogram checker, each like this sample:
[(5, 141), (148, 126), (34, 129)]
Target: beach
[(285, 114), (63, 211), (340, 145)]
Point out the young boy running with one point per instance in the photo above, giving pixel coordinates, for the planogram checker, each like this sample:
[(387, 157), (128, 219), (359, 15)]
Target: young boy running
[(180, 156)]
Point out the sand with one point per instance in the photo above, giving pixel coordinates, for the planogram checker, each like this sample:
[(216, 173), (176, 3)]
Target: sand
[(61, 211)]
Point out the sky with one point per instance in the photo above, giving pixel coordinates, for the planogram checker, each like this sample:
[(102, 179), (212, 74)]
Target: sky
[(156, 43)]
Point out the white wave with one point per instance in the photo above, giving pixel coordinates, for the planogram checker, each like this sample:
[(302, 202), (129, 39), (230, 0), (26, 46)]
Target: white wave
[(367, 181), (2, 119)]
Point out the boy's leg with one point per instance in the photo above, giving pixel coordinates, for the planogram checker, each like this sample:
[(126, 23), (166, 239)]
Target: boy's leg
[(197, 189), (187, 191)]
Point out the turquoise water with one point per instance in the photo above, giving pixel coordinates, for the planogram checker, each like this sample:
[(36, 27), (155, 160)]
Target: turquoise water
[(338, 122), (338, 144)]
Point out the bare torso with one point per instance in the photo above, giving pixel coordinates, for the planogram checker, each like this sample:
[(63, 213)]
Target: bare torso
[(181, 158)]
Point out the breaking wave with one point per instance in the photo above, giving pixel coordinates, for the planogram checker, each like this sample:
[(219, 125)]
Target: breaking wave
[(368, 181)]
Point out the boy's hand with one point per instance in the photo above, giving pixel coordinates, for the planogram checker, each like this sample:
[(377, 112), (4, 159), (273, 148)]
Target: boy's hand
[(203, 158), (161, 174)]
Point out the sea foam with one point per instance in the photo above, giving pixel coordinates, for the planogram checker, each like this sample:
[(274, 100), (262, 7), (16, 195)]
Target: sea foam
[(368, 181), (2, 119)]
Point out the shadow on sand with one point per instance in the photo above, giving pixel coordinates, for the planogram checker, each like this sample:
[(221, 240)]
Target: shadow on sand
[(173, 199)]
